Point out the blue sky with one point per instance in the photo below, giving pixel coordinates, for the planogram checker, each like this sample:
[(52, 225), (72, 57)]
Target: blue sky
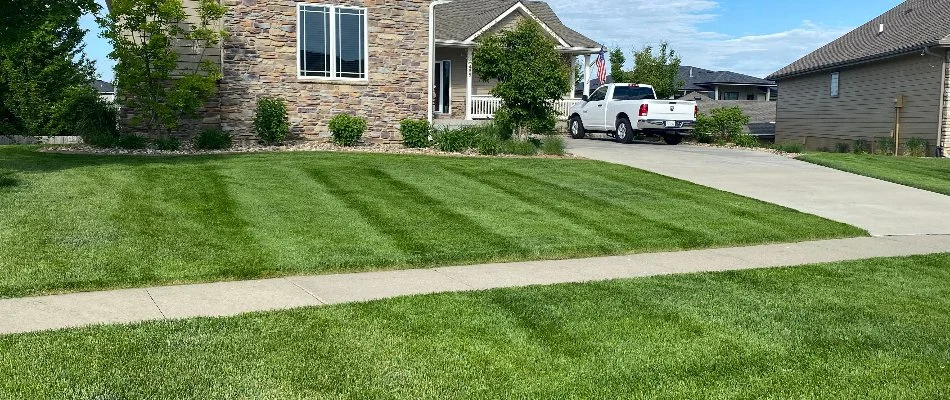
[(755, 37)]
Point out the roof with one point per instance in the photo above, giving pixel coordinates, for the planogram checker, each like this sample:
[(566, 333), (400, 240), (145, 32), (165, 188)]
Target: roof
[(103, 86), (460, 19), (911, 26), (698, 78)]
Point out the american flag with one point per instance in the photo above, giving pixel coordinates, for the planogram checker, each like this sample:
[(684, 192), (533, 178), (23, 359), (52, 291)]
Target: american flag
[(602, 67)]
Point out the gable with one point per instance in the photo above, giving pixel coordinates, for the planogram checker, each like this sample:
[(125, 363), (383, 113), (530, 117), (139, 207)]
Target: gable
[(464, 20)]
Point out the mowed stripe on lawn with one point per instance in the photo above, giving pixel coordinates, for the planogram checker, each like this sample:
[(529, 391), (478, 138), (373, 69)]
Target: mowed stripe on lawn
[(92, 222)]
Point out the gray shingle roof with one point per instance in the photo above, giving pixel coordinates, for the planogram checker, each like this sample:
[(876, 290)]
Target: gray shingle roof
[(698, 78), (911, 26), (103, 86), (461, 19)]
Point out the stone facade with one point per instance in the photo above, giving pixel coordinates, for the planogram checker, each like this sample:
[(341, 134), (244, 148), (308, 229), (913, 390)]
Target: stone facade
[(260, 59)]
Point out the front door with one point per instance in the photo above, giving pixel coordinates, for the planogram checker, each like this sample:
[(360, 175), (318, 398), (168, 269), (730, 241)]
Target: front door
[(442, 89)]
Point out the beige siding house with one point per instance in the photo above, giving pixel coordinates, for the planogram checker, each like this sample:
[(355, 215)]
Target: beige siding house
[(894, 68)]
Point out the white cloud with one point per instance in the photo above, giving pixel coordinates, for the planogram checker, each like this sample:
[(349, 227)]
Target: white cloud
[(638, 23)]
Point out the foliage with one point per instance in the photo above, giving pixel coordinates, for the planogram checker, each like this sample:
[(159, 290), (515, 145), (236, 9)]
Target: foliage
[(723, 125), (659, 69), (745, 140), (504, 123), (527, 98), (885, 146), (553, 145), (212, 139), (789, 147), (131, 142), (842, 147), (542, 125), (347, 130), (915, 147), (862, 146), (456, 140), (41, 60), (145, 35), (519, 147), (7, 178), (488, 143), (704, 130), (416, 133), (271, 122), (167, 143), (83, 113)]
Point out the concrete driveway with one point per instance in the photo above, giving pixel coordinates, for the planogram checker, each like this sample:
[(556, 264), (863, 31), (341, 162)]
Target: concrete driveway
[(882, 208)]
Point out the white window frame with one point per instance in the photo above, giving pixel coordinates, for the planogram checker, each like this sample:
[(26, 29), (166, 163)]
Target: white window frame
[(835, 84), (332, 33)]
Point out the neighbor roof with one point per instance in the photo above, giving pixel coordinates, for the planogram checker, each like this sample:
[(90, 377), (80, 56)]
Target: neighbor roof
[(911, 26), (103, 86), (698, 78), (460, 19)]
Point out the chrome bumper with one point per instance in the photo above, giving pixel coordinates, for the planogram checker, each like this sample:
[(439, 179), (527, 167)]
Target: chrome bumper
[(660, 124)]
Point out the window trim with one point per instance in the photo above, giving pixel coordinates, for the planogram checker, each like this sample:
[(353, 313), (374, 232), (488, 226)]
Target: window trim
[(332, 33), (835, 85)]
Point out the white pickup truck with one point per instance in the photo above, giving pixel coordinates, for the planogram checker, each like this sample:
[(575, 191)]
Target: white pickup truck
[(626, 111)]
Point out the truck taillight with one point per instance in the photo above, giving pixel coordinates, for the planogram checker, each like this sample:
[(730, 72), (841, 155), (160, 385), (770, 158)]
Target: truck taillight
[(696, 112), (644, 109)]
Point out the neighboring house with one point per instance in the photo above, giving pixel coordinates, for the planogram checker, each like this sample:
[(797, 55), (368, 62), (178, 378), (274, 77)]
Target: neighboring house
[(368, 58), (725, 85), (851, 88), (105, 89)]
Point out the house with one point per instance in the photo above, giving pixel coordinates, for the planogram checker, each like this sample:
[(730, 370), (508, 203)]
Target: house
[(370, 58), (725, 85), (888, 76), (105, 89)]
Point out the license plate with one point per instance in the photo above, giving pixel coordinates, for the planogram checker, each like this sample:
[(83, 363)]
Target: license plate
[(671, 124)]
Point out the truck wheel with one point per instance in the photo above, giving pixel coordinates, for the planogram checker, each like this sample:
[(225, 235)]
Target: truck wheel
[(625, 132), (577, 128), (672, 139)]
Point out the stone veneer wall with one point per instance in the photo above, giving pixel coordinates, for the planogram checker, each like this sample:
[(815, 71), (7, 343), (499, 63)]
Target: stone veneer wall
[(260, 59)]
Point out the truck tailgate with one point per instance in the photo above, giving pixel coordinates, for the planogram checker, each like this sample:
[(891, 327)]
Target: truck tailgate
[(672, 110)]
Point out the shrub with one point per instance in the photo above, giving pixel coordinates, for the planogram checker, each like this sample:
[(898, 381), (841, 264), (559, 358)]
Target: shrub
[(131, 142), (745, 140), (553, 145), (504, 123), (789, 147), (862, 146), (167, 143), (488, 143), (456, 140), (416, 133), (519, 147), (842, 147), (271, 122), (915, 147), (82, 113), (723, 124), (212, 139), (885, 145), (703, 130), (347, 130), (541, 125)]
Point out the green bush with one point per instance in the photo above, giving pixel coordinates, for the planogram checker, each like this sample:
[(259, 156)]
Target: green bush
[(456, 140), (789, 147), (702, 133), (885, 146), (722, 125), (167, 144), (347, 130), (131, 142), (842, 147), (862, 146), (416, 133), (83, 113), (488, 143), (271, 122), (519, 147), (541, 125), (915, 147), (553, 145), (745, 140), (504, 122), (212, 139), (7, 178)]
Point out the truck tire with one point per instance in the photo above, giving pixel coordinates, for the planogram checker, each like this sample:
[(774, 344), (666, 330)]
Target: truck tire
[(672, 139), (576, 127), (625, 132)]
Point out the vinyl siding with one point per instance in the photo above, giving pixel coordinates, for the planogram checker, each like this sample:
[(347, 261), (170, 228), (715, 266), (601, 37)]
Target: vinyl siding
[(865, 107), (945, 124), (188, 59)]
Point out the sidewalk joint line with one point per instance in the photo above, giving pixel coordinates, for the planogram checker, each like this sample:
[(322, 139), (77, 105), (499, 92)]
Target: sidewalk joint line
[(155, 303), (457, 280), (322, 301)]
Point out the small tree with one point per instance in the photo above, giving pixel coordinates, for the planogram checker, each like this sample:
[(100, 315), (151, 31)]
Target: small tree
[(617, 61), (145, 35), (659, 70), (531, 74)]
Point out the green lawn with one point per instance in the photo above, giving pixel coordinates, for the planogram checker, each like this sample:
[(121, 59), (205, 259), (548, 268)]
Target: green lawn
[(931, 174), (76, 222), (869, 329)]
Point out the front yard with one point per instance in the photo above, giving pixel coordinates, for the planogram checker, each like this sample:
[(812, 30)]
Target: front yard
[(931, 174), (77, 222), (865, 329)]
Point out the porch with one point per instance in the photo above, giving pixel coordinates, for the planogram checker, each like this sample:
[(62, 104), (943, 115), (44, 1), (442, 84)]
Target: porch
[(484, 107)]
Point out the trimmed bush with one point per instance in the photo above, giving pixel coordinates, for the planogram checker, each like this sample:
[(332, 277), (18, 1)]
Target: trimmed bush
[(915, 147), (212, 139), (131, 142), (416, 133), (271, 122), (519, 147), (167, 144), (347, 130), (553, 145)]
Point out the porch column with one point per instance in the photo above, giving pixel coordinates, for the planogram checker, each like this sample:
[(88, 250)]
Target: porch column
[(586, 74), (570, 94), (468, 84), (768, 94), (717, 92)]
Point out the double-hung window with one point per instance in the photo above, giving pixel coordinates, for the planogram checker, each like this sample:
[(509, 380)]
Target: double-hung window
[(331, 42)]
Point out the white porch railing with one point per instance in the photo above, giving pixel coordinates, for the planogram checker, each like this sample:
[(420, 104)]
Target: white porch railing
[(484, 107)]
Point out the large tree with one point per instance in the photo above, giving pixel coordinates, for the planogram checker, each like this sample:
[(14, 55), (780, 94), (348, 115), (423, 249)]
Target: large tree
[(531, 75), (659, 69), (145, 36)]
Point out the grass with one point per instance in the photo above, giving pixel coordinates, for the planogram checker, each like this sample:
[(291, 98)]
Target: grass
[(78, 222), (931, 174), (868, 329)]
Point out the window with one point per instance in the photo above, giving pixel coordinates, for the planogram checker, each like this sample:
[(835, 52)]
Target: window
[(331, 42), (731, 96), (599, 95), (633, 93), (750, 97), (834, 84)]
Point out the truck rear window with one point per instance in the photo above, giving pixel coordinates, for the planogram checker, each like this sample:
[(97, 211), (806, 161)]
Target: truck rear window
[(633, 93)]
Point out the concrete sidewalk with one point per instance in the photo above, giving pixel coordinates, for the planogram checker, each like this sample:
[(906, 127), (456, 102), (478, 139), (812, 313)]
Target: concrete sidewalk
[(232, 298)]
